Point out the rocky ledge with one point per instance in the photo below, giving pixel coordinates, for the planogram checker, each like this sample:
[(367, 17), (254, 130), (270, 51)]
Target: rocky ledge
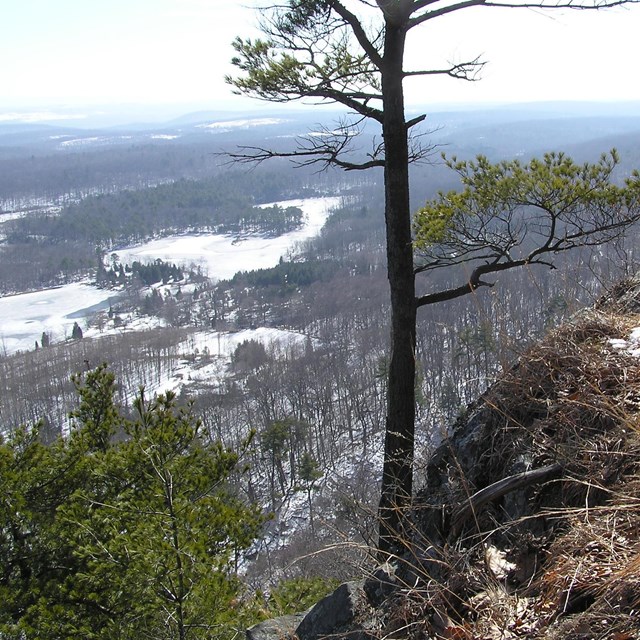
[(528, 525)]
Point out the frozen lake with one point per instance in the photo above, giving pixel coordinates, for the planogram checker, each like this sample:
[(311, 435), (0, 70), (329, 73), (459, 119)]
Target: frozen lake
[(24, 317), (222, 256)]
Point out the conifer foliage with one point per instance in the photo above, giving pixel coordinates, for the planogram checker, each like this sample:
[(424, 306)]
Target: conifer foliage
[(123, 529), (509, 215)]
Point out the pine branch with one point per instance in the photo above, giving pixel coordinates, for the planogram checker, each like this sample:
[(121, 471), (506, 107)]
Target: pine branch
[(469, 71), (577, 5)]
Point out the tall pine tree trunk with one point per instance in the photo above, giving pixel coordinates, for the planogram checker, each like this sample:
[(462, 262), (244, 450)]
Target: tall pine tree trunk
[(397, 477)]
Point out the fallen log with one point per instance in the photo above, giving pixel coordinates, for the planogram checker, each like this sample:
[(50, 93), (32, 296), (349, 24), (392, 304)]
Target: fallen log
[(497, 490)]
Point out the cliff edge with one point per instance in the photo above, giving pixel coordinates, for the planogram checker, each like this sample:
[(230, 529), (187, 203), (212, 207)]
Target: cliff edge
[(528, 525)]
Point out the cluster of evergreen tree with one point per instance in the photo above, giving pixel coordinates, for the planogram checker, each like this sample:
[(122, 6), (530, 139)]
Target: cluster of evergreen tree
[(296, 274), (123, 529), (219, 203), (157, 271)]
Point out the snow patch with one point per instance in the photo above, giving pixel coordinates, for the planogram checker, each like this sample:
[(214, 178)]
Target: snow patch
[(80, 142), (631, 345), (240, 124), (205, 356), (163, 136)]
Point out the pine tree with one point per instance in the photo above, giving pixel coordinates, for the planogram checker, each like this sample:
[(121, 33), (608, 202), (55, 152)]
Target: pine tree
[(309, 473), (353, 54), (76, 332), (120, 537)]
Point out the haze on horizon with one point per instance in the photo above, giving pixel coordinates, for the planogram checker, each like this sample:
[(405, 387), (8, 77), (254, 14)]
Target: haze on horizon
[(73, 54)]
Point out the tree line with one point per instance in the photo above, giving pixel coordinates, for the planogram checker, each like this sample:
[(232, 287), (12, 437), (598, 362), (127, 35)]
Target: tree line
[(224, 204)]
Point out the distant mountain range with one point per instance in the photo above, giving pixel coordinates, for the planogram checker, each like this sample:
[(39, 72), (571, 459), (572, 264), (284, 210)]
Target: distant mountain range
[(499, 130)]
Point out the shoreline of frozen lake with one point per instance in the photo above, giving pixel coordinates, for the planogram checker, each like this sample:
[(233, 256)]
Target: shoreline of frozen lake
[(24, 316), (222, 256)]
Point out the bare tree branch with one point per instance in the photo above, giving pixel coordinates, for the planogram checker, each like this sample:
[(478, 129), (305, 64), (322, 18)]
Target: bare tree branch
[(578, 5), (430, 15), (257, 155), (474, 282), (358, 31), (327, 147), (334, 147), (414, 121), (469, 71)]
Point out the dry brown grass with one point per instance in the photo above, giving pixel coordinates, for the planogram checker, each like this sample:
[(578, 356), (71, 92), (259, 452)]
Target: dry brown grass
[(559, 559)]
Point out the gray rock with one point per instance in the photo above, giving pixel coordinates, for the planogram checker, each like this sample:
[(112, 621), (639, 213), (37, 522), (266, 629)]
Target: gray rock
[(380, 584), (339, 614), (282, 628)]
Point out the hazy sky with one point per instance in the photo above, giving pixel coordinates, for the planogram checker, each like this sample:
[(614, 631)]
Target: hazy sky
[(79, 52)]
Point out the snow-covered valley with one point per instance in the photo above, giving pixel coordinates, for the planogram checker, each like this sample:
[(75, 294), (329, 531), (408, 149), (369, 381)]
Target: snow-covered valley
[(203, 363), (24, 317)]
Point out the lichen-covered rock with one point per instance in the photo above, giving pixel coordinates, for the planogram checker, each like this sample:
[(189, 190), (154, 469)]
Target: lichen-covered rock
[(282, 628)]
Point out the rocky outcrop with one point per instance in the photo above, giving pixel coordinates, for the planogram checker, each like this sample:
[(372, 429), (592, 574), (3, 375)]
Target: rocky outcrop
[(347, 613), (508, 507), (342, 614)]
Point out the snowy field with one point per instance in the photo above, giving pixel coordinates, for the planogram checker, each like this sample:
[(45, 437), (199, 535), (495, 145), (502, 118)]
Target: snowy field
[(223, 256), (220, 346), (24, 317)]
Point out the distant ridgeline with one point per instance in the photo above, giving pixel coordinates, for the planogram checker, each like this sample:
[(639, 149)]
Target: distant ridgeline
[(223, 204)]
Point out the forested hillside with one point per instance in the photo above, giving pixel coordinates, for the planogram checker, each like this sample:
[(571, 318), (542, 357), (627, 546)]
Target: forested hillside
[(299, 395), (56, 246)]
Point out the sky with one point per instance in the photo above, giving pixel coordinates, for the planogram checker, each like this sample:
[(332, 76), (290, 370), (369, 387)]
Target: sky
[(75, 53)]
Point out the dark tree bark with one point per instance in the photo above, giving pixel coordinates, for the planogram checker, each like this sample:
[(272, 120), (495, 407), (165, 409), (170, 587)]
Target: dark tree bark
[(397, 477)]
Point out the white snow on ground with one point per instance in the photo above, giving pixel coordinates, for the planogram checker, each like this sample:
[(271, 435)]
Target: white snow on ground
[(78, 142), (75, 142), (224, 344), (240, 124), (211, 368), (8, 213), (163, 136), (24, 317), (15, 215), (631, 345), (223, 256)]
